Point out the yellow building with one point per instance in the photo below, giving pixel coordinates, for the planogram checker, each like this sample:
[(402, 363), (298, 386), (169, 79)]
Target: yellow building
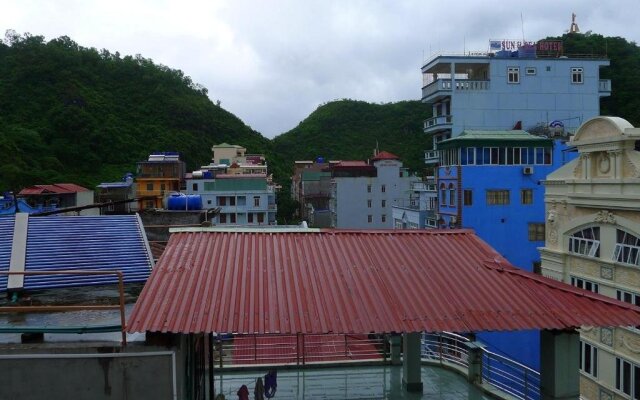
[(593, 242), (157, 177)]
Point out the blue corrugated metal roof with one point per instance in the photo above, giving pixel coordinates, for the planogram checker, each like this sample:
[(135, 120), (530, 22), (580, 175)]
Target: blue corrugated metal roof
[(6, 238), (80, 243)]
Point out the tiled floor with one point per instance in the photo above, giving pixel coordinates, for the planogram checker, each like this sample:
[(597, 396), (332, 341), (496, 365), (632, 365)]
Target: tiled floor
[(382, 382)]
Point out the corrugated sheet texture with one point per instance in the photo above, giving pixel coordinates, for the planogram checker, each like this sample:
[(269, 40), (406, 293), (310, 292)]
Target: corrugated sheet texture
[(6, 240), (80, 242), (355, 282)]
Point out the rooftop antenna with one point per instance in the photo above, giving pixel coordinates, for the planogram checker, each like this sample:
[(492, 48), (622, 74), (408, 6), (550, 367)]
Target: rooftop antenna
[(522, 26)]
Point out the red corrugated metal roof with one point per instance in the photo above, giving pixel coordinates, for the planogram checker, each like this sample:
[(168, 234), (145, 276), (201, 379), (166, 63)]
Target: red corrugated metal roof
[(385, 155), (355, 282), (57, 188)]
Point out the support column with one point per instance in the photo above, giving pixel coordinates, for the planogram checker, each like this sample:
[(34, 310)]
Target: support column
[(395, 350), (474, 371), (559, 365), (18, 258), (411, 365)]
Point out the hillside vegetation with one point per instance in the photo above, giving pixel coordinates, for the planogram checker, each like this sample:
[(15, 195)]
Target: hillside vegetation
[(73, 114), (350, 130)]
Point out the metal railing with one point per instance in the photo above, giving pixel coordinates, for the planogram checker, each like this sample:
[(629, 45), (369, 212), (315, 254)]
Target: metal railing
[(438, 121), (501, 372), (298, 349), (56, 308), (604, 85), (445, 346), (446, 85), (509, 376)]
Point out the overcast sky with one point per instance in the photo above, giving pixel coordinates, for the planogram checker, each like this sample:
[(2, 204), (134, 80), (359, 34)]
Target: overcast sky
[(272, 63)]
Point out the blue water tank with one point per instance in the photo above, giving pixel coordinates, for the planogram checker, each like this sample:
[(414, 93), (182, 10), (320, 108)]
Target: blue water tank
[(320, 160), (207, 174), (181, 201)]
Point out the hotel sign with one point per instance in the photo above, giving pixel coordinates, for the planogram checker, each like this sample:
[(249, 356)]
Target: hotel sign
[(543, 47)]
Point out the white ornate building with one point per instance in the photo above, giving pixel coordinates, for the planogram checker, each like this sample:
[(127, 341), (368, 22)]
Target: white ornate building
[(593, 242)]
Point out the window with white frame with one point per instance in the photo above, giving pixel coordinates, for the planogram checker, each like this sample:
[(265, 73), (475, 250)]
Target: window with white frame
[(628, 378), (586, 242), (585, 284), (588, 359), (577, 75), (369, 203), (452, 195), (627, 248), (513, 74), (530, 70), (443, 194)]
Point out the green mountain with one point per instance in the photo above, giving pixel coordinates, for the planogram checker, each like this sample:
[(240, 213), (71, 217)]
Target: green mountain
[(350, 130), (73, 114)]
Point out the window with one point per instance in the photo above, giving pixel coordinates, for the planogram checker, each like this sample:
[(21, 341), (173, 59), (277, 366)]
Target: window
[(232, 201), (536, 232), (195, 187), (208, 201), (222, 201), (548, 68), (369, 203), (162, 187), (223, 218), (443, 195), (530, 70), (586, 242), (585, 284), (467, 197), (149, 186), (383, 188), (384, 217), (577, 75), (588, 359), (256, 201), (628, 297), (368, 188), (232, 218), (628, 378), (526, 196), (369, 218), (260, 218), (384, 203), (452, 195), (250, 218), (627, 248), (513, 75), (497, 197)]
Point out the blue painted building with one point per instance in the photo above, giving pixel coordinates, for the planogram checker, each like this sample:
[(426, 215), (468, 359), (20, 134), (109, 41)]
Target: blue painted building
[(499, 126)]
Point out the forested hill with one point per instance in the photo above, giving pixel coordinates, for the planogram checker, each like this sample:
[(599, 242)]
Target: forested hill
[(73, 114), (350, 130)]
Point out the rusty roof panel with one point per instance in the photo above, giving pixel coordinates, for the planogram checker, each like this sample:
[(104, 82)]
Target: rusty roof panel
[(335, 281)]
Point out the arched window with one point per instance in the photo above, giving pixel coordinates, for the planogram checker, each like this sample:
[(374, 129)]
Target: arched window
[(443, 194), (586, 242), (452, 195), (627, 248)]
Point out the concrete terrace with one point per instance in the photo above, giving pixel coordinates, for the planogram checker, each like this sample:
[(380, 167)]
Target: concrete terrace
[(363, 382)]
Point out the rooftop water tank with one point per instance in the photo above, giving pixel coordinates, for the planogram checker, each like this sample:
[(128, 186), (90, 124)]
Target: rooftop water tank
[(182, 202)]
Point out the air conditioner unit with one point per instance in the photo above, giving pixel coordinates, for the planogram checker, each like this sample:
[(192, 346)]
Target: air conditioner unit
[(527, 170)]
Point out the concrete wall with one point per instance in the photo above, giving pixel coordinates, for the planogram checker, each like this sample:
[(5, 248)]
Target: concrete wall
[(89, 373), (157, 223)]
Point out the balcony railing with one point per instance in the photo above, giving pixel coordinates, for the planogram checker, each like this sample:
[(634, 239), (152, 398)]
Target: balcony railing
[(441, 121), (445, 85), (503, 373), (431, 157), (604, 86)]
